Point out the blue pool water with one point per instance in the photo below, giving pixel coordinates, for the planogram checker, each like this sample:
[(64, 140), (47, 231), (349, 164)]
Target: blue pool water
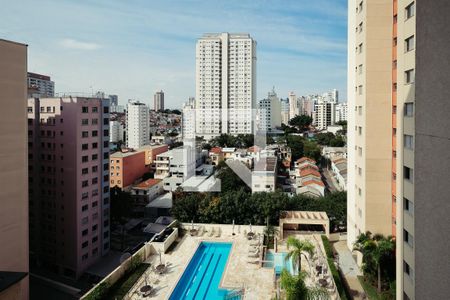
[(202, 276), (279, 261)]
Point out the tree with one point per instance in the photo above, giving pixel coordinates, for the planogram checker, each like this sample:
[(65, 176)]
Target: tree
[(298, 248), (229, 181), (375, 249), (296, 288), (302, 122), (295, 142), (121, 205), (270, 231)]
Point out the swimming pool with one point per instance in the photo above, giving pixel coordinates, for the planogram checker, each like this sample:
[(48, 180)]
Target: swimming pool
[(279, 261), (202, 276)]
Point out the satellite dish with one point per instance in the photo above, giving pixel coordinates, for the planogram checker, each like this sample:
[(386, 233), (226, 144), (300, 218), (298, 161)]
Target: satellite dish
[(124, 257)]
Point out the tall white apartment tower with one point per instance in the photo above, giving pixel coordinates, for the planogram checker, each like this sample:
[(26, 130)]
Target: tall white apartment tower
[(293, 105), (225, 84), (138, 124)]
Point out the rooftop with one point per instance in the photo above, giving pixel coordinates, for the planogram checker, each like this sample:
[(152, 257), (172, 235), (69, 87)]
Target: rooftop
[(121, 154), (147, 183), (310, 182), (266, 164)]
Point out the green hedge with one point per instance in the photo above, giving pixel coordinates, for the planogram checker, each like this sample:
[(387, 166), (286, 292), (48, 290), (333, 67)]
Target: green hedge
[(336, 275), (119, 289)]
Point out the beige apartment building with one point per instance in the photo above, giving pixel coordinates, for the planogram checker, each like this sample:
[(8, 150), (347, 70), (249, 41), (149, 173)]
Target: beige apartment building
[(13, 172), (369, 117), (413, 188)]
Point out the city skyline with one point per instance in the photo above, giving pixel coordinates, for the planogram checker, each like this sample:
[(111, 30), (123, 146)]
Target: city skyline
[(135, 50)]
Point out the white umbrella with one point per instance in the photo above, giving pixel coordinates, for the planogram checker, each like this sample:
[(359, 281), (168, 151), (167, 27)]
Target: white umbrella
[(233, 226)]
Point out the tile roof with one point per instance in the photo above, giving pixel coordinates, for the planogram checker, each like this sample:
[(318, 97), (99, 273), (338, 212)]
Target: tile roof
[(310, 182), (216, 150), (147, 183), (304, 158)]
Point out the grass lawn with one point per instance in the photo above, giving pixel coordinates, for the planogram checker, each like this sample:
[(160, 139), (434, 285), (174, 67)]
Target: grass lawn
[(372, 292), (124, 284)]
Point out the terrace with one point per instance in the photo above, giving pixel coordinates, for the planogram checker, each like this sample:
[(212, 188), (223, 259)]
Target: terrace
[(247, 271)]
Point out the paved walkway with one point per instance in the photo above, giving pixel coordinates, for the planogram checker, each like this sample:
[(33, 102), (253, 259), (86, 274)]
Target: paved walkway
[(350, 270)]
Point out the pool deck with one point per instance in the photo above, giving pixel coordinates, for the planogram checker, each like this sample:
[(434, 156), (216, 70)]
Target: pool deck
[(239, 273)]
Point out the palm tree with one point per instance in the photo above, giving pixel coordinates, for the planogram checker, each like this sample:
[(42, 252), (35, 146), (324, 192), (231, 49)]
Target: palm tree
[(270, 231), (298, 248), (374, 249), (296, 289)]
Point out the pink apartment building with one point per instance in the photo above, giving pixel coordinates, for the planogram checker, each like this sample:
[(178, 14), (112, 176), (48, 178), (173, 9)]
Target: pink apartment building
[(13, 172), (68, 142)]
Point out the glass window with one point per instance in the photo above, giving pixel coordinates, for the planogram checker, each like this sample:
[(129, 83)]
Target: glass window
[(408, 141), (410, 10), (409, 109), (409, 43), (409, 76)]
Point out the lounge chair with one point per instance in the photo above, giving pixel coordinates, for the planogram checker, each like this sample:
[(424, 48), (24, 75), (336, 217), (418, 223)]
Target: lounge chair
[(218, 232), (211, 233), (201, 231), (256, 254), (253, 261)]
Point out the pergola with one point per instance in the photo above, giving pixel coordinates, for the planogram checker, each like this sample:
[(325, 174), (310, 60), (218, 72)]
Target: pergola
[(294, 218)]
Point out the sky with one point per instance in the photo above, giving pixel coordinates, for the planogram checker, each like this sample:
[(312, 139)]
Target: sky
[(134, 48)]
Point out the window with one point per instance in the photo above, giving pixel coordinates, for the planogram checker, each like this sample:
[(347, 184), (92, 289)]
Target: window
[(94, 192), (408, 141), (409, 76), (94, 145), (84, 232), (410, 10), (94, 239), (407, 237), (105, 121), (84, 134), (407, 269), (94, 156), (95, 180), (85, 158), (85, 183), (84, 146), (360, 47), (360, 68), (30, 109), (95, 109), (94, 169), (84, 208), (84, 122), (408, 173), (94, 121), (94, 133), (360, 90), (409, 43), (106, 132), (106, 110), (408, 206), (84, 109), (85, 244), (94, 204), (394, 41), (85, 195), (359, 130), (409, 109), (94, 227)]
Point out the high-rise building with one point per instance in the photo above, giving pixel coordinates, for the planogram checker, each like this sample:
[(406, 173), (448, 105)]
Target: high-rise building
[(188, 119), (158, 101), (42, 85), (341, 112), (369, 119), (137, 124), (113, 100), (409, 62), (324, 114), (116, 130), (307, 106), (68, 142), (293, 105), (269, 112), (225, 84), (13, 172), (284, 111)]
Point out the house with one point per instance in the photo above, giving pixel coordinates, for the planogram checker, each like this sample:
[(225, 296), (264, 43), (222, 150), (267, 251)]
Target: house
[(339, 169), (147, 190), (264, 175)]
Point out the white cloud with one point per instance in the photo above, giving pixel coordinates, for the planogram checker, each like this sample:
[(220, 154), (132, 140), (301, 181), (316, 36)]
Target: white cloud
[(79, 45)]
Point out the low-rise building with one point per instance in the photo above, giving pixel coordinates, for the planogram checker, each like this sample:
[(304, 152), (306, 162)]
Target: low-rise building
[(215, 156), (151, 151), (307, 178), (264, 175), (160, 139), (126, 167), (339, 168), (147, 190), (334, 152)]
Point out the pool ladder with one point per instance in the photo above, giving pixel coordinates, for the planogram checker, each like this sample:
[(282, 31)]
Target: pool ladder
[(235, 294)]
